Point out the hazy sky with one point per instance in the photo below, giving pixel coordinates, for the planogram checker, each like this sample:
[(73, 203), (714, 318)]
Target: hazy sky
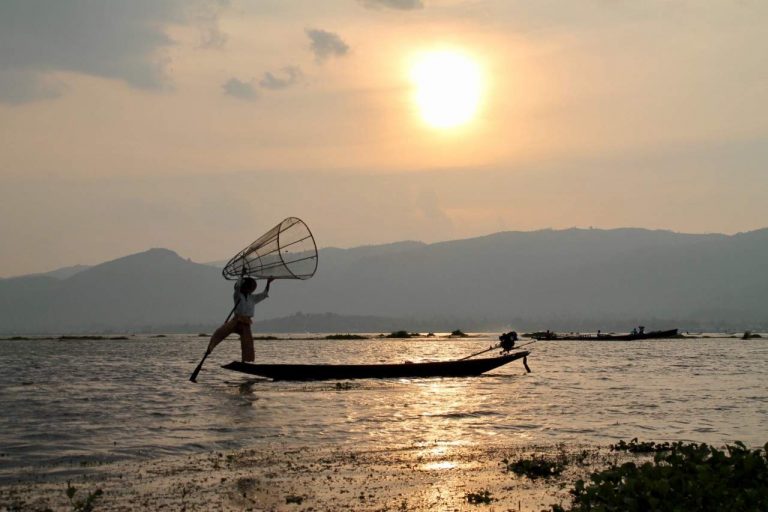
[(197, 125)]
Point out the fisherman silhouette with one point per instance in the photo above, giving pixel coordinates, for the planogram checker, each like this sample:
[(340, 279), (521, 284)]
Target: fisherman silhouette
[(245, 300)]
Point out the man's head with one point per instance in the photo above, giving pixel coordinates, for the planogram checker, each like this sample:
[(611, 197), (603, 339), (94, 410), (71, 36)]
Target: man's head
[(248, 285)]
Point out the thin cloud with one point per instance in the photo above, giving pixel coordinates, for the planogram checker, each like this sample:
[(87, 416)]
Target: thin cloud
[(240, 89), (326, 44), (401, 5), (114, 39), (17, 87), (205, 15), (288, 77)]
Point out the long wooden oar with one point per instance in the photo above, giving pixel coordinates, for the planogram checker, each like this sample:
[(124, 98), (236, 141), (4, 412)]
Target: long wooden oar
[(498, 345), (193, 377), (481, 352), (524, 344)]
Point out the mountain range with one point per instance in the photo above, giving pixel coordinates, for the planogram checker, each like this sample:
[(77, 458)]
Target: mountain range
[(558, 279)]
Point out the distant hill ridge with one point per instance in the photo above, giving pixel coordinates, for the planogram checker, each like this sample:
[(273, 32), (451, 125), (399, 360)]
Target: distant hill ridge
[(540, 278)]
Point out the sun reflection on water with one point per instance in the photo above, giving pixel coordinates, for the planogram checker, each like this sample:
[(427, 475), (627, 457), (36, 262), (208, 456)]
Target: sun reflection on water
[(438, 465)]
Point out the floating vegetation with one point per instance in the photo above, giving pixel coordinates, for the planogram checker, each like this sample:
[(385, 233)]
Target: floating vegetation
[(402, 334), (92, 338), (458, 333), (85, 505), (479, 498), (684, 477), (265, 338), (71, 337), (640, 447), (537, 467), (292, 498), (345, 337)]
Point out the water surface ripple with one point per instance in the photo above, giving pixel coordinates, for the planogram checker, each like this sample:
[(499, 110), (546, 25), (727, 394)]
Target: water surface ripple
[(80, 402)]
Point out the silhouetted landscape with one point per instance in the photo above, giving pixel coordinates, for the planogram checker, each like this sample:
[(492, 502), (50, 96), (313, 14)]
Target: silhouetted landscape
[(373, 255), (573, 279)]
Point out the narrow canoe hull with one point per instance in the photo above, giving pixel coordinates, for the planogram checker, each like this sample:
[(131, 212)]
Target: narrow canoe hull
[(462, 368)]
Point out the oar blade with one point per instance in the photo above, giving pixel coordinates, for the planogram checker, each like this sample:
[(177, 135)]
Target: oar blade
[(193, 377)]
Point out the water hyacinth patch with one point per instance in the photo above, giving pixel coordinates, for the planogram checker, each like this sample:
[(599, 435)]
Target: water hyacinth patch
[(536, 467), (401, 334), (635, 446), (685, 477), (86, 504), (479, 498), (292, 498), (346, 337)]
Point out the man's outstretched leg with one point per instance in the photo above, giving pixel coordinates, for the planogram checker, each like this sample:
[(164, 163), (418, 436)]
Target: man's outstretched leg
[(222, 332)]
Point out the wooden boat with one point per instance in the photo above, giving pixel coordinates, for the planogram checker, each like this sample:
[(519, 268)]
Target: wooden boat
[(652, 335), (459, 368)]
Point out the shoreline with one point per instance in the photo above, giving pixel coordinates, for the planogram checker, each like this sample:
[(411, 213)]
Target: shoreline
[(381, 336), (440, 476)]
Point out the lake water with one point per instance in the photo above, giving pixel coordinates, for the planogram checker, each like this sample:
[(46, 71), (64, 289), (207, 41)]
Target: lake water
[(72, 403)]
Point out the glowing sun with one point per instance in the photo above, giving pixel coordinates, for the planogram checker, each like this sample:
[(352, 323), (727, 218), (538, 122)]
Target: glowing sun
[(448, 88)]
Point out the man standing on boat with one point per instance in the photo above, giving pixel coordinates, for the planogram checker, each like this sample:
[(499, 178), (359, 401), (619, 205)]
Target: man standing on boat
[(245, 302)]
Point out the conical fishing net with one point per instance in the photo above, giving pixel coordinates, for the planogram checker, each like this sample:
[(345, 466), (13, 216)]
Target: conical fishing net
[(287, 251)]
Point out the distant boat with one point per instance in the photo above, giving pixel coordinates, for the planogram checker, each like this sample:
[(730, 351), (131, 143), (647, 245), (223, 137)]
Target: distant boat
[(652, 335), (304, 372)]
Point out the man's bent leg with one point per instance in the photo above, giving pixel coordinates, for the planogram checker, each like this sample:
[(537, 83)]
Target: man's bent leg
[(221, 333)]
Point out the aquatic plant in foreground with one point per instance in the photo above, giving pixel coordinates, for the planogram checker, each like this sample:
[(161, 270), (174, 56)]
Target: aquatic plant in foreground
[(483, 497), (536, 467), (684, 477), (85, 505), (635, 446)]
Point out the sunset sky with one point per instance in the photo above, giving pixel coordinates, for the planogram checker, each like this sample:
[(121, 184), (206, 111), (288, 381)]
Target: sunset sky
[(199, 125)]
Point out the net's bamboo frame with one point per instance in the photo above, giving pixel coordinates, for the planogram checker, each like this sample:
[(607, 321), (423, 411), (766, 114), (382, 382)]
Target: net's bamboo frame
[(250, 262)]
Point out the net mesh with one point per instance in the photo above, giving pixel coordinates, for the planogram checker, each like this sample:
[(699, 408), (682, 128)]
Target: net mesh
[(287, 251)]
